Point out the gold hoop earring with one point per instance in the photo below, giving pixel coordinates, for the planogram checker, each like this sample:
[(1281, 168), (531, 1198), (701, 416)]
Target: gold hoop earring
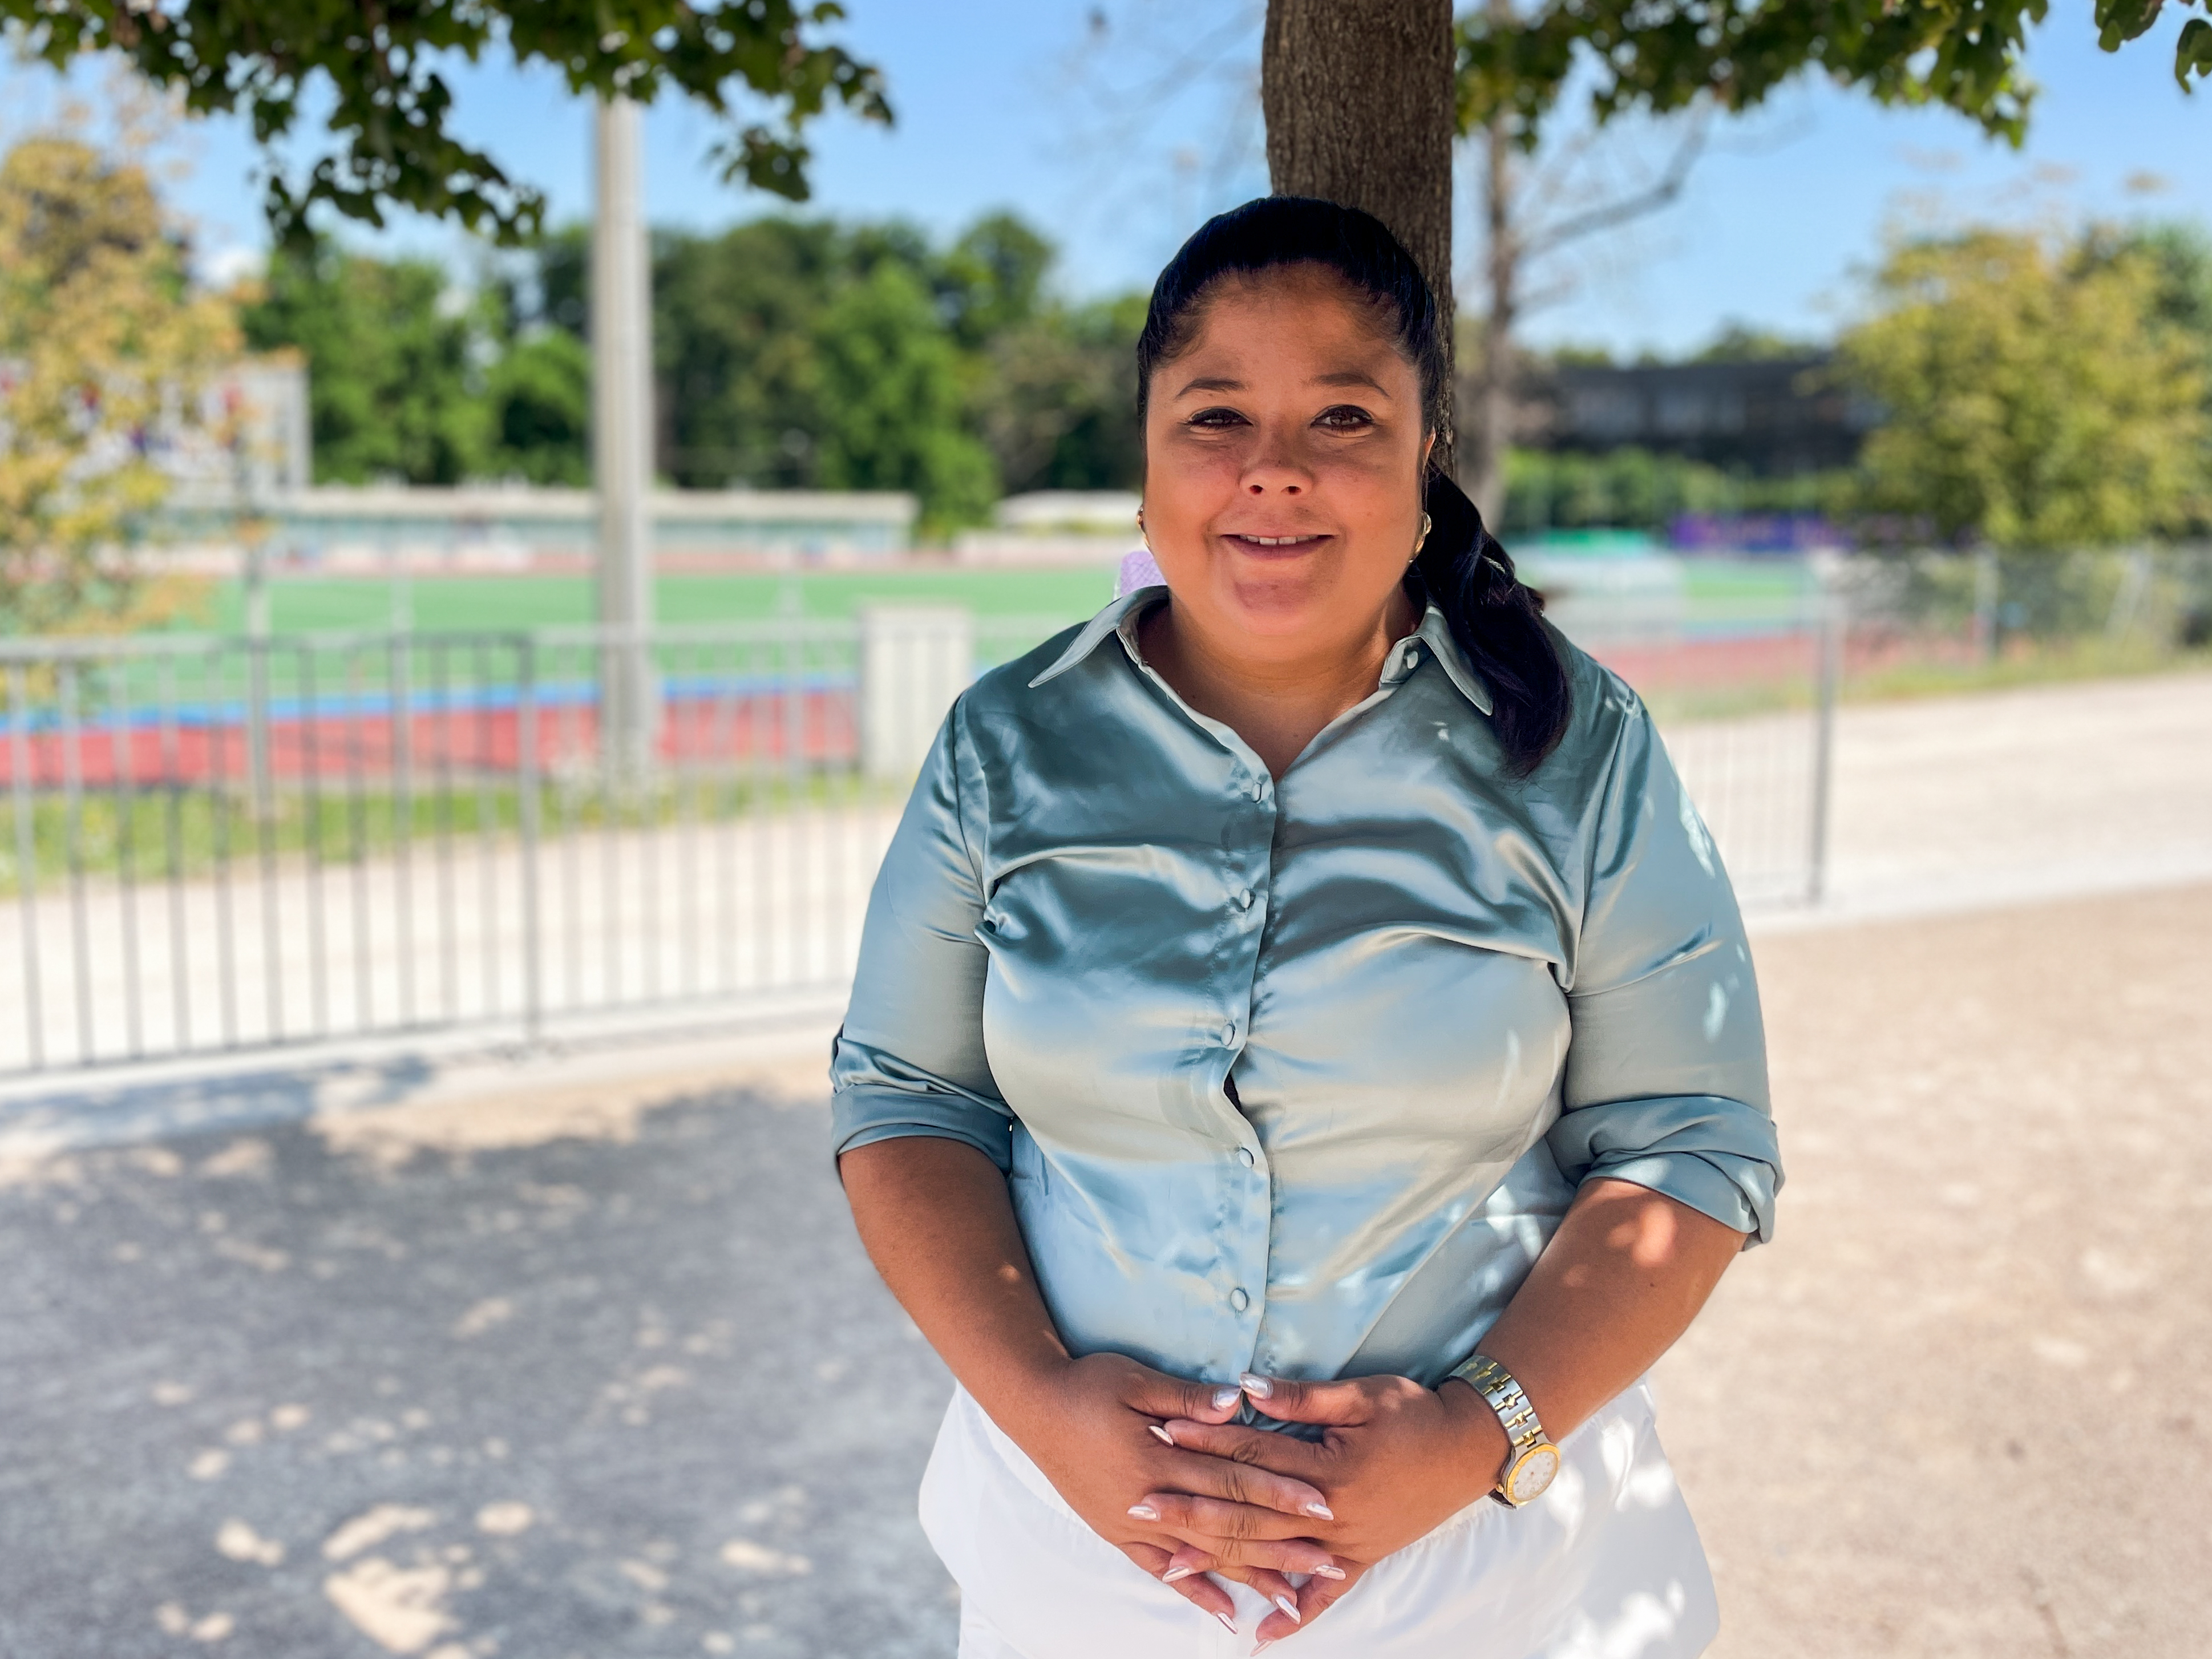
[(1421, 540), (1143, 534)]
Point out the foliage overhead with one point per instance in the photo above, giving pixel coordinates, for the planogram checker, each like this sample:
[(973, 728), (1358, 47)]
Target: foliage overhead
[(105, 353), (2034, 396), (1660, 56), (381, 72)]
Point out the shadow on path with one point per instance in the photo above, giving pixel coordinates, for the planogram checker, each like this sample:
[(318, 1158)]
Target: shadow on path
[(588, 1397)]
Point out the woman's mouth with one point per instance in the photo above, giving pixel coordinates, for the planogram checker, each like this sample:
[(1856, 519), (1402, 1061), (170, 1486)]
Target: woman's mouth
[(1276, 544)]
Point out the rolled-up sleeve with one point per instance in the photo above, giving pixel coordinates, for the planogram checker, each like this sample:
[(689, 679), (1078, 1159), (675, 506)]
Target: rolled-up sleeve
[(1666, 1071), (910, 1060)]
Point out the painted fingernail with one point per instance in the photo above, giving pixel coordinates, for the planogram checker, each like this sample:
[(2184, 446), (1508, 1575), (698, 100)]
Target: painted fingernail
[(1320, 1511), (1328, 1569), (1262, 1645), (1291, 1607), (1173, 1575), (1227, 1623), (1224, 1397), (1161, 1434), (1257, 1386), (1143, 1512)]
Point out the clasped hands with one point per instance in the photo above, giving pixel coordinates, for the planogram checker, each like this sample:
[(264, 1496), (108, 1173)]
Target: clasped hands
[(1154, 1465)]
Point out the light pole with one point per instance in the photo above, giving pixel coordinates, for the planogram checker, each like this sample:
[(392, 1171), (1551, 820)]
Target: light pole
[(621, 446)]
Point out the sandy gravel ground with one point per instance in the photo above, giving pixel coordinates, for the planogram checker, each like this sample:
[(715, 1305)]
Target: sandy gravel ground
[(1962, 1405)]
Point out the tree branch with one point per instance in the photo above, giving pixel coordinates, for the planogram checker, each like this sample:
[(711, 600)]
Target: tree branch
[(1619, 212)]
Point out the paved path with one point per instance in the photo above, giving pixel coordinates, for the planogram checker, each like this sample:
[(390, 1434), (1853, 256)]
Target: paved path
[(1959, 803)]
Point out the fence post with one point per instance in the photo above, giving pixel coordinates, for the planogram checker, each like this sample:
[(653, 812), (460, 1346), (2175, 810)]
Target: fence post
[(1989, 576), (1833, 620), (526, 769), (72, 737), (915, 661), (26, 860), (400, 694)]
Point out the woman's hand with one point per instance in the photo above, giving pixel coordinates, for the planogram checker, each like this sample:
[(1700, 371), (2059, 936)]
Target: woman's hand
[(1095, 1430), (1398, 1460)]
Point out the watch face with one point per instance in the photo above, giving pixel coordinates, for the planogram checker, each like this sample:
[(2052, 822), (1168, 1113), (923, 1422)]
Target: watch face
[(1533, 1473)]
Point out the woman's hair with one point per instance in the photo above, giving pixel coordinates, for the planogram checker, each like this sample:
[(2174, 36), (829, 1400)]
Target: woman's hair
[(1495, 616)]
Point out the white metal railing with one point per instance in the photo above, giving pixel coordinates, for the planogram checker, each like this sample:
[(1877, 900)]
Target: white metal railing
[(225, 845)]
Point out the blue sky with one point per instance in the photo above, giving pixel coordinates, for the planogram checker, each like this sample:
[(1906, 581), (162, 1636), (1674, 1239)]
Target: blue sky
[(1116, 143)]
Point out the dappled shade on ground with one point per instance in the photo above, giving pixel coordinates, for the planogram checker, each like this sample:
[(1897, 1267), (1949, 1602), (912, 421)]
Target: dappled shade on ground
[(555, 1376)]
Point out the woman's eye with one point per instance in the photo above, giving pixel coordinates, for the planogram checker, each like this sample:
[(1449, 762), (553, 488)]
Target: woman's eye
[(1217, 417), (1345, 417)]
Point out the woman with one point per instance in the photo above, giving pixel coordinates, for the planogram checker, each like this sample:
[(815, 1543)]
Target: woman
[(1304, 1065)]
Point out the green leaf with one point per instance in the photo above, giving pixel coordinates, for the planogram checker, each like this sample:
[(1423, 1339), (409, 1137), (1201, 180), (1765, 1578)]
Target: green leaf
[(386, 140), (2192, 53)]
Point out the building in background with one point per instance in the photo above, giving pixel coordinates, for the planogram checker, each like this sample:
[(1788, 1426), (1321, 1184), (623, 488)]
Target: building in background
[(1769, 418)]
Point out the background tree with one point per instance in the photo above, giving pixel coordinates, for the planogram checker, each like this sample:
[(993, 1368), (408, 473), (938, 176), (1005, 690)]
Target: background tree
[(893, 399), (790, 354), (1514, 62), (2035, 397), (2180, 260), (763, 335), (104, 351), (539, 393), (395, 378), (374, 76), (1533, 208), (1348, 89)]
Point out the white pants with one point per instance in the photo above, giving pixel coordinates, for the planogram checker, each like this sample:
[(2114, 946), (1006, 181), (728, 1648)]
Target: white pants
[(1605, 1566)]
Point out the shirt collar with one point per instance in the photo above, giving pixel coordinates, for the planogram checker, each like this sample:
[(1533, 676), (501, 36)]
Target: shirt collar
[(1121, 617), (1124, 611)]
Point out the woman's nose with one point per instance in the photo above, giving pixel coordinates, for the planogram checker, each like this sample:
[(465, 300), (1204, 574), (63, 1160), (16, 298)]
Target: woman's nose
[(1276, 468)]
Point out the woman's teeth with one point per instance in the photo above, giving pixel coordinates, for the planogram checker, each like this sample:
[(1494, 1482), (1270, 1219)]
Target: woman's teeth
[(1277, 541)]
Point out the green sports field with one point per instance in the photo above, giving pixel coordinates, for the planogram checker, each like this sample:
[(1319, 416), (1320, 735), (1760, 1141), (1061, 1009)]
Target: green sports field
[(301, 604)]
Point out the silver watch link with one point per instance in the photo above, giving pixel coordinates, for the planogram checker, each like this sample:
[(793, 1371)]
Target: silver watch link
[(1531, 1460)]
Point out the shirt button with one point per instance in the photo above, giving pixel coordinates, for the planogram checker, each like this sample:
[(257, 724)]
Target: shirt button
[(1229, 1034), (1243, 898), (1260, 790), (1238, 1299), (1244, 1155)]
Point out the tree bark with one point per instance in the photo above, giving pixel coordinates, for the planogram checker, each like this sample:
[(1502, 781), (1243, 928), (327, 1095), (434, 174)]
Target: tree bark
[(1360, 107), (1483, 455)]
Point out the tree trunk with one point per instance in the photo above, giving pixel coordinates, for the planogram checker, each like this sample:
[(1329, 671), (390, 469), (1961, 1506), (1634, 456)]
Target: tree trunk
[(1360, 103), (1491, 433)]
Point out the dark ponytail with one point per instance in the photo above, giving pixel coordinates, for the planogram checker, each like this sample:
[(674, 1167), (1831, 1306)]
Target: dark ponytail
[(1496, 618)]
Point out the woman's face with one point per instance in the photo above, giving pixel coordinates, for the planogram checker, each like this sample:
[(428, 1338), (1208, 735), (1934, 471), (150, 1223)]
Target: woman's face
[(1283, 456)]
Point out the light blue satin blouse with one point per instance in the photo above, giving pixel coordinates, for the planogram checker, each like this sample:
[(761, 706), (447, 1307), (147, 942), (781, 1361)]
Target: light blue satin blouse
[(1299, 1075)]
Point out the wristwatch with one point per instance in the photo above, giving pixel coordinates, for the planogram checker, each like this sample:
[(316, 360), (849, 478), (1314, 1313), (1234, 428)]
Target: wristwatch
[(1531, 1460)]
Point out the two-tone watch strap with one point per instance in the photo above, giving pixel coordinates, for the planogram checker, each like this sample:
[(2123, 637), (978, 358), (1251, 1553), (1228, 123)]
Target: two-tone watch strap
[(1503, 1395)]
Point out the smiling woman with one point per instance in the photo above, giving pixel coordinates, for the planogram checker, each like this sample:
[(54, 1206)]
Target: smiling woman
[(1304, 1063)]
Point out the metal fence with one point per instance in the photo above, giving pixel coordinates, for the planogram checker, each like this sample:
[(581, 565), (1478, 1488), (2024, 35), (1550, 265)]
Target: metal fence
[(225, 845), (1746, 707)]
